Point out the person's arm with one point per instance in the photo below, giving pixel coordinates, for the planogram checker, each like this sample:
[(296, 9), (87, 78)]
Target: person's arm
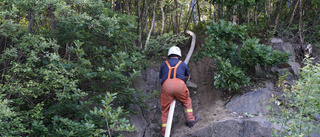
[(187, 73), (187, 77)]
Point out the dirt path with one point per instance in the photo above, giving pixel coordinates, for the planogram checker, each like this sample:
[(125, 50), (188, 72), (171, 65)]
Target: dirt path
[(208, 102)]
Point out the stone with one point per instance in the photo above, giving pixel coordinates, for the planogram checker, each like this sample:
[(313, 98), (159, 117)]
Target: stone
[(251, 127), (276, 40), (257, 127), (258, 70), (138, 120), (295, 67), (206, 131), (253, 102), (191, 85), (152, 130), (283, 65), (228, 128), (316, 116), (289, 47), (284, 47), (269, 85), (152, 80)]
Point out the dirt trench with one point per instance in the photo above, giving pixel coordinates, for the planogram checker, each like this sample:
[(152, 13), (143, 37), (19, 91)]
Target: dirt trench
[(208, 102)]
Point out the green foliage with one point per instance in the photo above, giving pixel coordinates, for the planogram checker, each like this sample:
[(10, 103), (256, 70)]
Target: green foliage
[(230, 3), (158, 46), (219, 41), (253, 53), (228, 76), (111, 116), (9, 122), (221, 44), (60, 58), (296, 111)]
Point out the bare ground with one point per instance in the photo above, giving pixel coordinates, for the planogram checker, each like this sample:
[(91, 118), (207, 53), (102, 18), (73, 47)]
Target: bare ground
[(208, 102)]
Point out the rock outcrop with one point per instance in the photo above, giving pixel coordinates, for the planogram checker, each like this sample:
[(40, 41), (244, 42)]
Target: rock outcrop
[(248, 111), (254, 102)]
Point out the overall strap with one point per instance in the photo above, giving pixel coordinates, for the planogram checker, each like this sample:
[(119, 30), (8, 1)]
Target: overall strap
[(174, 68)]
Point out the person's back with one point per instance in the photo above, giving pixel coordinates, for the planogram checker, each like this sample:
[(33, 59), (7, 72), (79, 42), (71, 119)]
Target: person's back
[(173, 73)]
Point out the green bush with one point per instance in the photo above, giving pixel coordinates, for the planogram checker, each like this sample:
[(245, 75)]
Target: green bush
[(253, 53), (233, 60), (159, 45), (299, 105), (61, 58), (228, 76), (220, 40)]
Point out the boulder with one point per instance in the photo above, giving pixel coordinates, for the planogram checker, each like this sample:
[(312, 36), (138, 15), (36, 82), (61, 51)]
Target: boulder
[(251, 127), (151, 80), (138, 120), (191, 85), (253, 102), (288, 72), (206, 131), (276, 40), (228, 128), (295, 67), (278, 44)]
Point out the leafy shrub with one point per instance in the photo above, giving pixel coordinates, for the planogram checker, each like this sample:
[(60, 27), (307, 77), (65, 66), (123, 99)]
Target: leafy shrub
[(52, 73), (220, 40), (158, 46), (297, 109), (220, 44), (228, 76), (253, 53)]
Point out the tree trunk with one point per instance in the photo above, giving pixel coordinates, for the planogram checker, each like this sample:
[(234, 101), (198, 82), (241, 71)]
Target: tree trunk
[(51, 16), (152, 25), (180, 15), (255, 13), (163, 17), (294, 11), (128, 7), (31, 20), (269, 13), (191, 15), (219, 11), (113, 5), (210, 12), (216, 12), (300, 28), (194, 15), (234, 16), (248, 16), (198, 9), (277, 20), (175, 16), (147, 15), (139, 25)]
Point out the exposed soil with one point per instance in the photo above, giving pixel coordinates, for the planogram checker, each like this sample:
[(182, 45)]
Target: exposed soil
[(208, 102)]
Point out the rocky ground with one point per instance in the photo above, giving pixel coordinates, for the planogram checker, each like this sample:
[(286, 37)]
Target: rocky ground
[(221, 115)]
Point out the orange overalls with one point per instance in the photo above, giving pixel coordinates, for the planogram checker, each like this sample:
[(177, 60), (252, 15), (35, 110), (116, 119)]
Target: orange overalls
[(174, 88)]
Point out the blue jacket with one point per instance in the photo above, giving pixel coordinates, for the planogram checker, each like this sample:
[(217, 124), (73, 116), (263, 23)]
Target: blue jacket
[(182, 70)]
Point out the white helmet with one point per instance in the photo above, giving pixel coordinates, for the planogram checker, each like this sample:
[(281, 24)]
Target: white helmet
[(174, 50)]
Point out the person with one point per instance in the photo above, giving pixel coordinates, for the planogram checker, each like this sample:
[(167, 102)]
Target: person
[(173, 73)]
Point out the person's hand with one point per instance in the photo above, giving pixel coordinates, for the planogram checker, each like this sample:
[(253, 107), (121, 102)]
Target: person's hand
[(187, 77)]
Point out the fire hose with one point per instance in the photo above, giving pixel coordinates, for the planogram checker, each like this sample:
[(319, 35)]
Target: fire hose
[(173, 104)]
